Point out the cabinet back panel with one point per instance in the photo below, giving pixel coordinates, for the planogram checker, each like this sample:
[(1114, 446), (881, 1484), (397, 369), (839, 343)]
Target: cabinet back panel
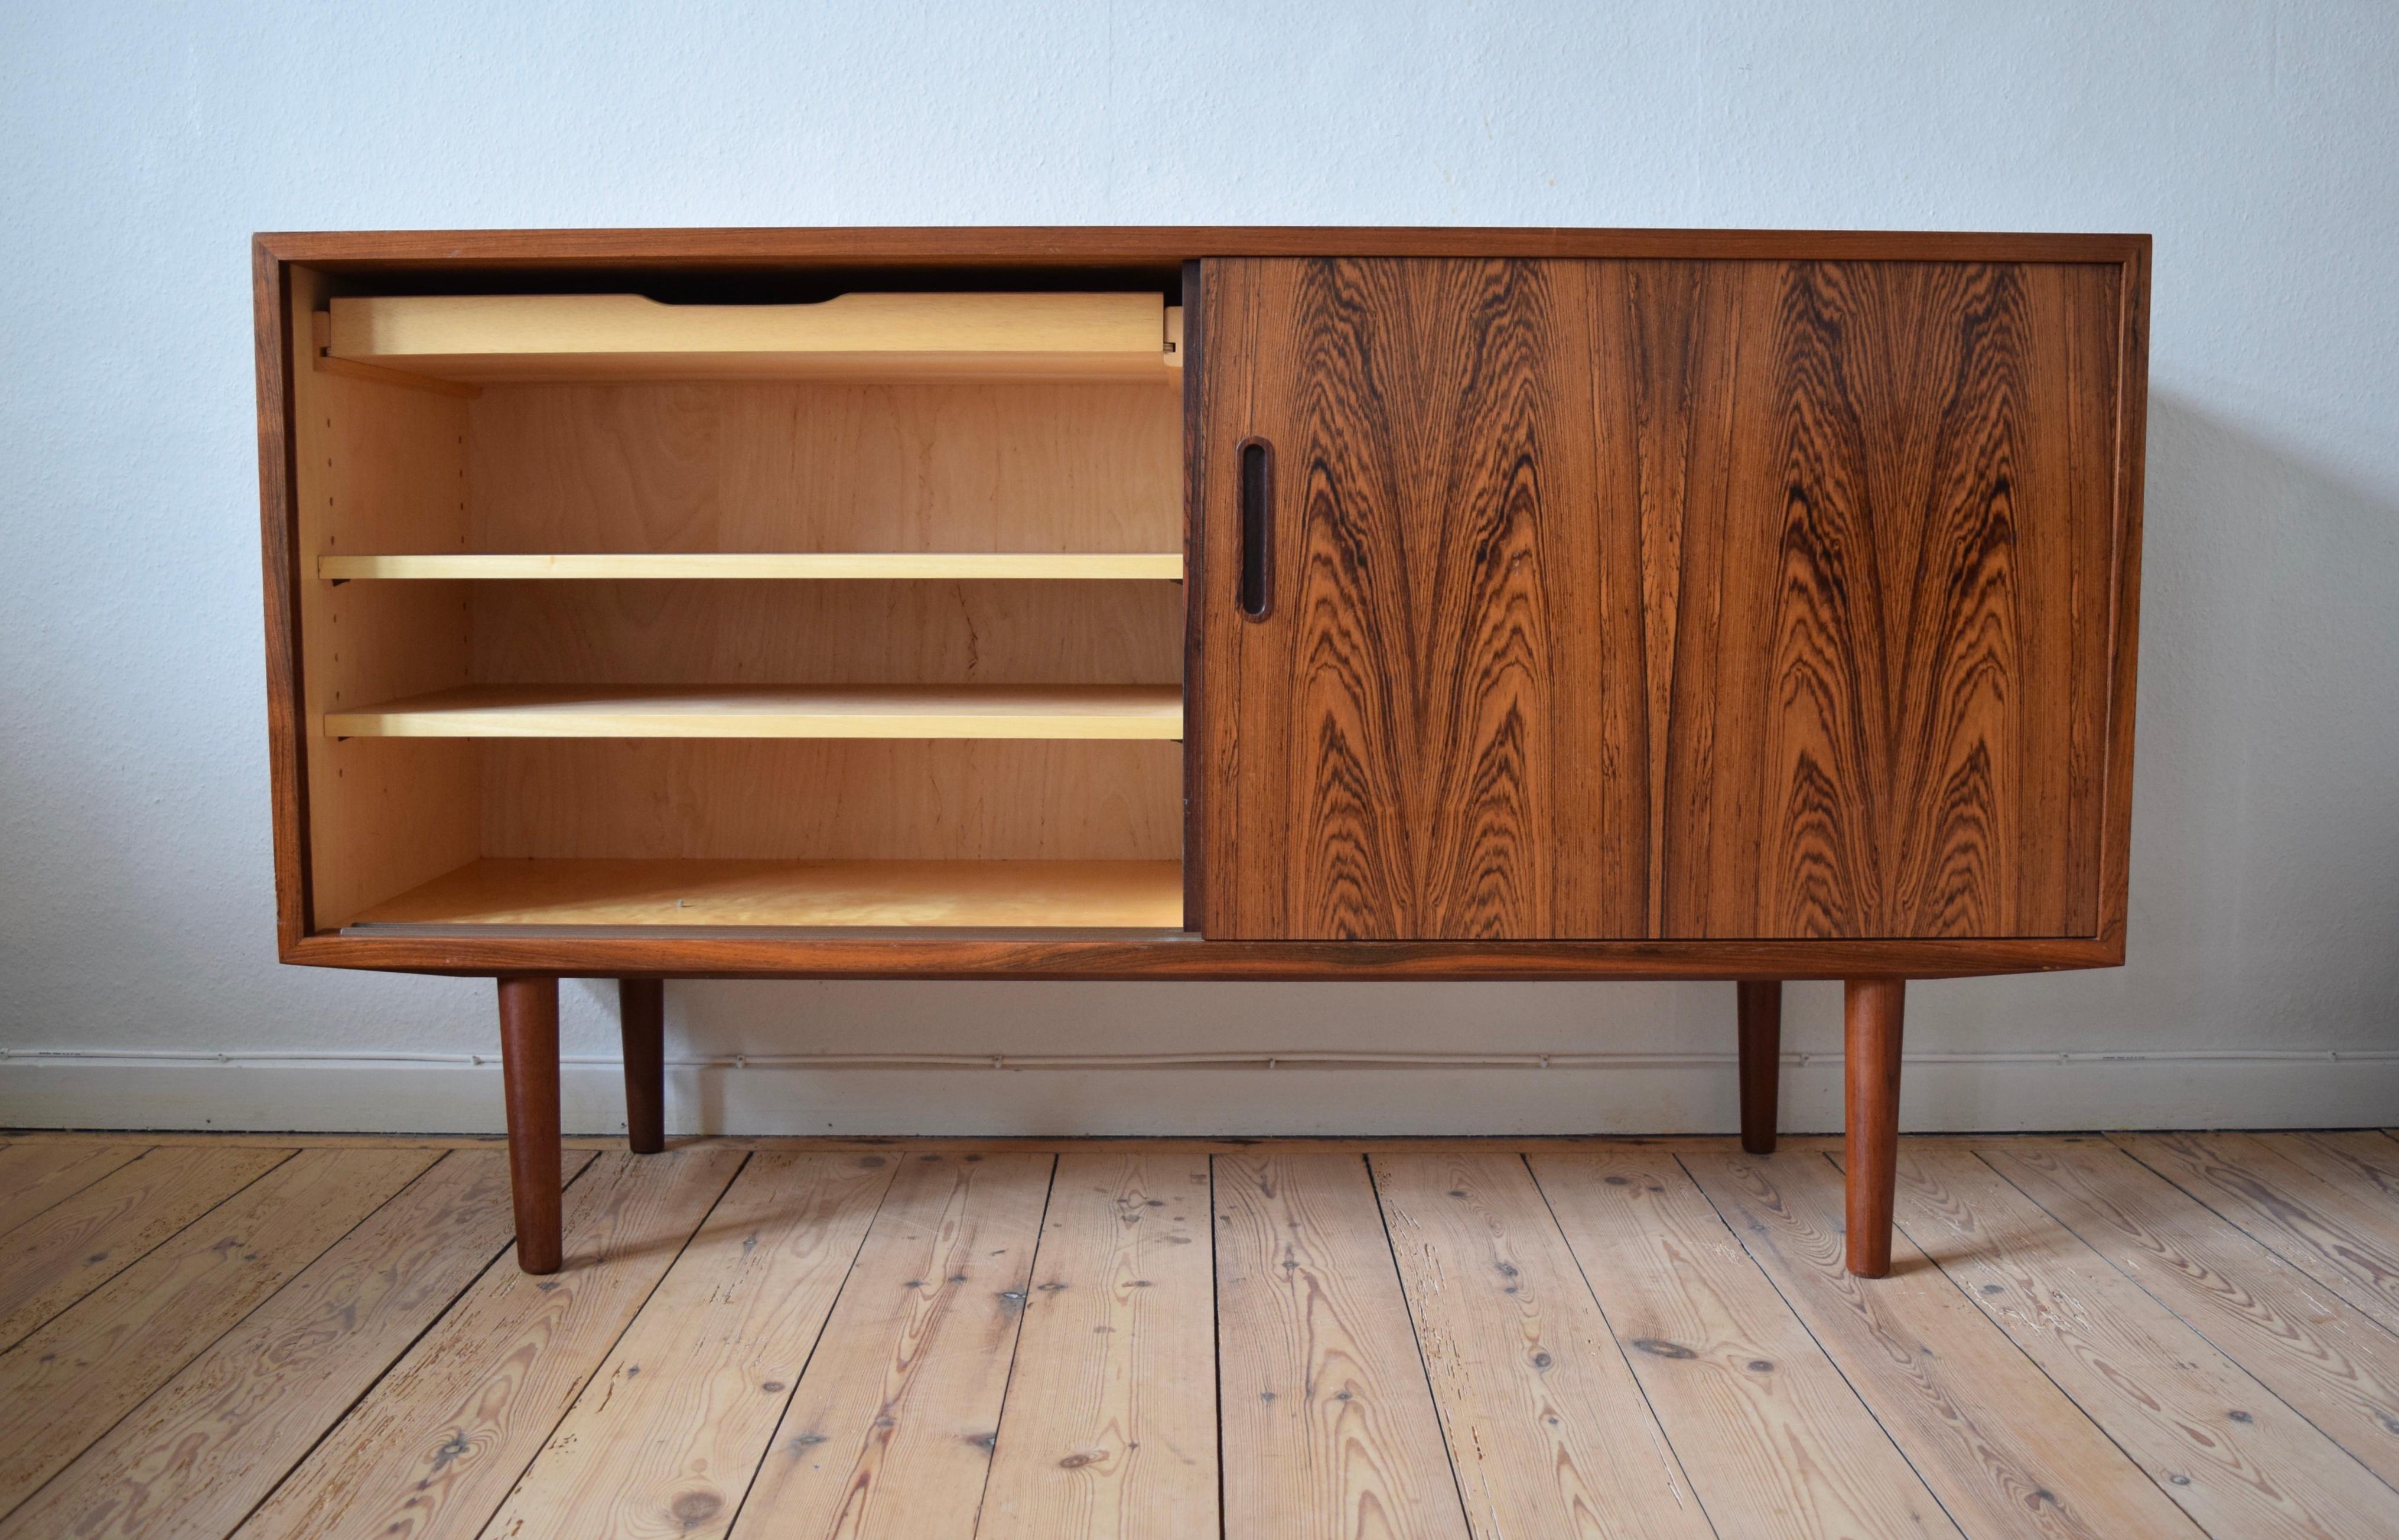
[(732, 466), (792, 466), (377, 467), (732, 632), (899, 800)]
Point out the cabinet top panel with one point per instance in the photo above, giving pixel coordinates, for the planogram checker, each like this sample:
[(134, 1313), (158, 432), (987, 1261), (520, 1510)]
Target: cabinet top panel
[(1121, 246)]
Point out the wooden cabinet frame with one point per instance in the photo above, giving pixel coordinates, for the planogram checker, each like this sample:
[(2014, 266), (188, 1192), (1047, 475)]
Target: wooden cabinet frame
[(1166, 260)]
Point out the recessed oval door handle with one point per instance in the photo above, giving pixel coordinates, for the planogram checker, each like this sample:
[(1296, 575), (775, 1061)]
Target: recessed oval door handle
[(1256, 457)]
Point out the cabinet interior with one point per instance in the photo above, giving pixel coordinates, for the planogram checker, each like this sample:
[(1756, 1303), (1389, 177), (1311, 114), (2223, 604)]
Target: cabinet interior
[(617, 614)]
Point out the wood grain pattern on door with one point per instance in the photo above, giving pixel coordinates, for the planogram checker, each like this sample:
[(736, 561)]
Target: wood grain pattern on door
[(1878, 530), (1412, 742), (1686, 599)]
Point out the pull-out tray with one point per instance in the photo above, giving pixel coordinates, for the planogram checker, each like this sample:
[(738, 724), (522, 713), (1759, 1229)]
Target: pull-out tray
[(872, 336), (948, 566), (874, 895), (1153, 711)]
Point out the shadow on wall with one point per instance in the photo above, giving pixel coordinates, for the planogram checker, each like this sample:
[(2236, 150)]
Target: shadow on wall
[(2265, 907), (2265, 876)]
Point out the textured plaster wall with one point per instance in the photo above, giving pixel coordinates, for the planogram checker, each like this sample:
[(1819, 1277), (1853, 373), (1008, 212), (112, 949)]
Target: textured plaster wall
[(140, 145)]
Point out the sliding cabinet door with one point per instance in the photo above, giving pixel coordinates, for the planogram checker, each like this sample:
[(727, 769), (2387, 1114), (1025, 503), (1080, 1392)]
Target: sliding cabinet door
[(1882, 510), (1682, 599), (1418, 628)]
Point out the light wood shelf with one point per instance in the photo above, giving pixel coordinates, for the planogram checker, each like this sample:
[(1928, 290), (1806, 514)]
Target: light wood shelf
[(906, 565), (866, 336), (1152, 711), (980, 895)]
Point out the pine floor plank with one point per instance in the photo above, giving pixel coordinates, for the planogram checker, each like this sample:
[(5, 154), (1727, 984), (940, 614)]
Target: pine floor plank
[(1547, 1428), (890, 1435), (2224, 1307), (1110, 1423), (665, 1439), (2228, 1450), (455, 1421), (68, 1383), (2347, 1244), (80, 1243), (205, 1448), (36, 1174), (2361, 1162), (2334, 1365), (2002, 1448), (1328, 1424), (1774, 1440)]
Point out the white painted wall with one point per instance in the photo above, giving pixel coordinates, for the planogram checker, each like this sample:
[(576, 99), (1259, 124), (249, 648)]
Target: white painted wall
[(140, 145)]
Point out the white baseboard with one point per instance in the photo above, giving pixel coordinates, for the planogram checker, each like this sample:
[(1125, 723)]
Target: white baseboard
[(1576, 1093)]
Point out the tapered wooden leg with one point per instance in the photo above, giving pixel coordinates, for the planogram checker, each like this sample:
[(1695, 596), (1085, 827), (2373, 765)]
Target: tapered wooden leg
[(641, 1017), (1874, 1010), (1761, 1061), (529, 1067)]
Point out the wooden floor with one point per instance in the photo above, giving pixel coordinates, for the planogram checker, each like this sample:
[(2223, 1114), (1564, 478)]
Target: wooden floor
[(2156, 1334)]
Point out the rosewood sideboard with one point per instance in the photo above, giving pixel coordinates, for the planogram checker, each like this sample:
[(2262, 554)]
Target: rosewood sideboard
[(1202, 603)]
